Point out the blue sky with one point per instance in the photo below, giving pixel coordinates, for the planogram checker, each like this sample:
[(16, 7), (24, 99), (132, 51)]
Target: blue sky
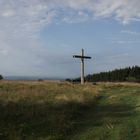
[(39, 37)]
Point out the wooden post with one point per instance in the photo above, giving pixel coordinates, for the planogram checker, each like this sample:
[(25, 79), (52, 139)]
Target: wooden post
[(82, 67), (82, 57)]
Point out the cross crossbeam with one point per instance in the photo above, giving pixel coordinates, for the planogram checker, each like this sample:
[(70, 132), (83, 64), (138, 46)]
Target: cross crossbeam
[(79, 56), (82, 57)]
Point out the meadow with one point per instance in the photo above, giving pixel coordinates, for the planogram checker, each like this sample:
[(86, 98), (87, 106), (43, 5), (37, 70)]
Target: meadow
[(63, 111)]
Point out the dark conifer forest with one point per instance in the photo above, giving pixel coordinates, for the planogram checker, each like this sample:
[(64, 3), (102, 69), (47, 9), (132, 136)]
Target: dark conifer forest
[(129, 74)]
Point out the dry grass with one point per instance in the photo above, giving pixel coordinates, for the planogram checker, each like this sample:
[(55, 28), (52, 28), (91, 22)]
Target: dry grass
[(18, 90), (32, 110)]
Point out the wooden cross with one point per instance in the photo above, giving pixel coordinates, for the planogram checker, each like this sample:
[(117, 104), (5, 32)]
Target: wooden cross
[(82, 57)]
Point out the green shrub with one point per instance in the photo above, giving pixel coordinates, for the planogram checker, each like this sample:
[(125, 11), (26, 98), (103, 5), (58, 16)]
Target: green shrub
[(1, 77)]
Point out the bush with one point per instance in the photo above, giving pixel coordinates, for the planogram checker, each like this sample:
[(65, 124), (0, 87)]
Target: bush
[(40, 80), (1, 77), (68, 80)]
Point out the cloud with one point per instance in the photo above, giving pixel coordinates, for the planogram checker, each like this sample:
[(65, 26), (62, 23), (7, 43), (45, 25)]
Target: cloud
[(29, 17), (21, 22), (126, 42), (119, 56), (123, 10), (130, 32)]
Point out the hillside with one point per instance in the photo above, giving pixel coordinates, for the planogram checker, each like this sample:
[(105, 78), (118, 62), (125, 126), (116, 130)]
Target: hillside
[(63, 111)]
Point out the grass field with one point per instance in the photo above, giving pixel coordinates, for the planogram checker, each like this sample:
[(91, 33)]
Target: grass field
[(63, 111)]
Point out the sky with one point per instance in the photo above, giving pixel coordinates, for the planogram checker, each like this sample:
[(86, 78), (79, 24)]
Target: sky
[(39, 37)]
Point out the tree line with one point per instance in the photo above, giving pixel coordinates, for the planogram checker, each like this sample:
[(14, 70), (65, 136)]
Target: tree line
[(128, 74)]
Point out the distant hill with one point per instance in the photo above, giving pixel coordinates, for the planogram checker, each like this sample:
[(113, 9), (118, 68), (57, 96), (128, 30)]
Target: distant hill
[(128, 74), (29, 78)]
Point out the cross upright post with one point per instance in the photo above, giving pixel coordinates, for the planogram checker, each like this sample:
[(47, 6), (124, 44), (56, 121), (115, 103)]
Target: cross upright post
[(82, 67), (82, 57)]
